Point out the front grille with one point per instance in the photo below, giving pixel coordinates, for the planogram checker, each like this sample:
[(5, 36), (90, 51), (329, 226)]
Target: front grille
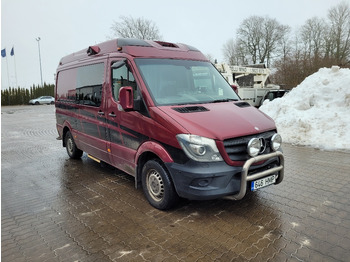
[(236, 148)]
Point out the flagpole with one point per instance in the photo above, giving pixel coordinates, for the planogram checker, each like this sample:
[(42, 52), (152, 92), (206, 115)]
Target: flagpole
[(14, 58), (8, 75), (3, 54), (41, 72)]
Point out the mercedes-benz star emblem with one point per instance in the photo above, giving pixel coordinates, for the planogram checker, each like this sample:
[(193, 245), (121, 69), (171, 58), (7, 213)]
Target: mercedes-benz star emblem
[(263, 145)]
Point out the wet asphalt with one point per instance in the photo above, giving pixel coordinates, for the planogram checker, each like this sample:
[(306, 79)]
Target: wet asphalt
[(57, 209)]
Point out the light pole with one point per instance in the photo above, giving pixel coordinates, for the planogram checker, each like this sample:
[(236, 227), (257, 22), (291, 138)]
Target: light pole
[(41, 73)]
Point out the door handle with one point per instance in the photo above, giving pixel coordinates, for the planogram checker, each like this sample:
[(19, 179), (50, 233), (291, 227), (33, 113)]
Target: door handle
[(101, 113), (112, 114)]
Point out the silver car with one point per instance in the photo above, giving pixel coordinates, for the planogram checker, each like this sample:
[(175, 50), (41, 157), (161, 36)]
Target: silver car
[(42, 100)]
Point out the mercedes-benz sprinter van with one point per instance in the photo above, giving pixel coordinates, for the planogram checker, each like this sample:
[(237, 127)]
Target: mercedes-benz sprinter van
[(162, 113)]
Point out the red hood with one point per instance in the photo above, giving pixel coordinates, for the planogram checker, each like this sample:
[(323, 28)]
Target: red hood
[(220, 120)]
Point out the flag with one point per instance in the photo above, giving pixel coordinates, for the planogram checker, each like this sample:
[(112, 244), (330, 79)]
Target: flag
[(12, 51), (3, 52)]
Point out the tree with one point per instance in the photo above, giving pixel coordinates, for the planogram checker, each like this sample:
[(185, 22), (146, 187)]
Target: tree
[(261, 38), (20, 96), (339, 18), (313, 37), (234, 53), (210, 58), (313, 44), (140, 28)]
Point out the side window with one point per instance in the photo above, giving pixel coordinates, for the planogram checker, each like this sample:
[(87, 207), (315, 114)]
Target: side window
[(122, 76), (270, 96), (66, 84), (89, 84), (81, 85)]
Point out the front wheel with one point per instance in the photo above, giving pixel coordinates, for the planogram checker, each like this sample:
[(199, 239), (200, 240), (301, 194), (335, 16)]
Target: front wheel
[(157, 186), (72, 149)]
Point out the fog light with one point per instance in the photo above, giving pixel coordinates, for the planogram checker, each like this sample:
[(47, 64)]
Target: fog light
[(253, 147), (276, 142), (203, 183)]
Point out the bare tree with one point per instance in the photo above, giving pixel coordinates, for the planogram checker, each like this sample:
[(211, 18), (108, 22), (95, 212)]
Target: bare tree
[(140, 28), (250, 35), (313, 37), (210, 57), (313, 43), (261, 36), (339, 18), (234, 53)]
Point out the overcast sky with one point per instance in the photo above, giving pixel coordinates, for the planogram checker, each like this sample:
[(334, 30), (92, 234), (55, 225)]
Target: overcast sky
[(66, 26)]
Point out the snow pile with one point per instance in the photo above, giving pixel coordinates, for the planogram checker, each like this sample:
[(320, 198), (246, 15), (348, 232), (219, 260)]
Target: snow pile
[(317, 112)]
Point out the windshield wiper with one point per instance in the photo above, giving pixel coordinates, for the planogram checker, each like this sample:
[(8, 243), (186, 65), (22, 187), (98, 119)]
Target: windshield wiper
[(223, 100)]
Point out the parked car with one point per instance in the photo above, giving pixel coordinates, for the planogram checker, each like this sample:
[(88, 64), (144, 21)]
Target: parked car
[(273, 94), (42, 100)]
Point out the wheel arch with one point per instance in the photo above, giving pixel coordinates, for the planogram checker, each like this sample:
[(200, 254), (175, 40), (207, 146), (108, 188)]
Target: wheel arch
[(148, 151), (66, 128)]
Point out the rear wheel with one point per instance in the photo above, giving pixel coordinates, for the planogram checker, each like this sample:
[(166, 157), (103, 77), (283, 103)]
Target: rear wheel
[(157, 186), (72, 149)]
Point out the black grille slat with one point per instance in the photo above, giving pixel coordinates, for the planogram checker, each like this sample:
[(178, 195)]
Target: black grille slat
[(236, 147), (235, 150)]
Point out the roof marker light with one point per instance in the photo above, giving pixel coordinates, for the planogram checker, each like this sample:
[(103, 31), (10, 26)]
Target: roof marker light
[(93, 50)]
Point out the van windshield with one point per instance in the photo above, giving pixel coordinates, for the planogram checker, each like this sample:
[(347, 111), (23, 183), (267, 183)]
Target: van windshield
[(178, 82)]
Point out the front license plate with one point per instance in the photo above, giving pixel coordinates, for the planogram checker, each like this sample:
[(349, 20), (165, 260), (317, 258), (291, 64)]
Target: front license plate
[(263, 182)]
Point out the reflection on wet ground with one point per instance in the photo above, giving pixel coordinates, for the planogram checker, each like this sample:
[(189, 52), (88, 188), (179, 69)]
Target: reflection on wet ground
[(57, 209)]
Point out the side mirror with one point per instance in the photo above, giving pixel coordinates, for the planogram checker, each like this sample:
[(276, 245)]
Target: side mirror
[(234, 87), (126, 98)]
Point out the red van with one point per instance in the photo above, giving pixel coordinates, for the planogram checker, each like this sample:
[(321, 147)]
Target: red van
[(162, 113)]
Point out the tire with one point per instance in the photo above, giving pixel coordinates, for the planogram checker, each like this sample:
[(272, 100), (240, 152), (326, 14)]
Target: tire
[(37, 103), (157, 186), (72, 150)]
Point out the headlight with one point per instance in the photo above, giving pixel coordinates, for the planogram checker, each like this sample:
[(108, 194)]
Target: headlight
[(276, 142), (253, 147), (199, 148)]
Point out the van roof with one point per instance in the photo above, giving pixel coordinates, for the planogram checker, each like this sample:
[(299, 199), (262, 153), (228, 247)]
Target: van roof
[(136, 48)]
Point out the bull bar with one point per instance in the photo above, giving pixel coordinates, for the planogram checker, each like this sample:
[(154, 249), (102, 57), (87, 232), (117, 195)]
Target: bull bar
[(246, 178)]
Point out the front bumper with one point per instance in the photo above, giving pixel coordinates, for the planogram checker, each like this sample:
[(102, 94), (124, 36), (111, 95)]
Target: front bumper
[(202, 181)]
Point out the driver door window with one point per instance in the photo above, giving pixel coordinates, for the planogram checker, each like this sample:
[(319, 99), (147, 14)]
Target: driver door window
[(122, 76)]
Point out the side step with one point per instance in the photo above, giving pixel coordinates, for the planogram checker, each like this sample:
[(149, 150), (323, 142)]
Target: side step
[(94, 158)]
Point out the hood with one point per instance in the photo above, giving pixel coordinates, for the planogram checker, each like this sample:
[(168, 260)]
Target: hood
[(220, 120)]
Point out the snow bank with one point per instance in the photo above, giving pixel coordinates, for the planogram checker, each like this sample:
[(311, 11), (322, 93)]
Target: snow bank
[(317, 112)]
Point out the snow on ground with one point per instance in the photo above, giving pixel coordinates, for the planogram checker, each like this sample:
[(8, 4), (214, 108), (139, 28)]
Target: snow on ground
[(317, 112)]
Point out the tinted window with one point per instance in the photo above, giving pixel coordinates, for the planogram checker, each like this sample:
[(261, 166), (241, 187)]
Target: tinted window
[(81, 85), (89, 84), (66, 85)]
